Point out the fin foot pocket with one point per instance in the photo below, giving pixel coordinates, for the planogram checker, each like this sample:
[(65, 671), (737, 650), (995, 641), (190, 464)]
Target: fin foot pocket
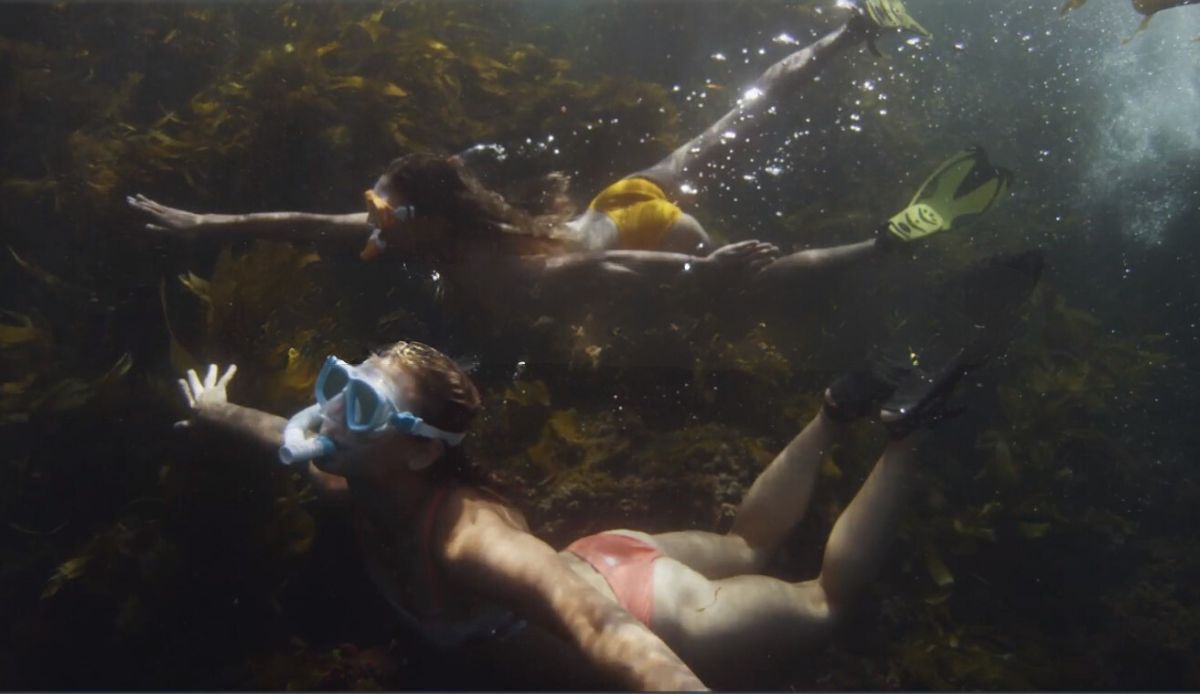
[(921, 400), (857, 394)]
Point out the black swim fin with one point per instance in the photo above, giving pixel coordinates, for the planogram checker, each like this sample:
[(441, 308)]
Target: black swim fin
[(990, 297)]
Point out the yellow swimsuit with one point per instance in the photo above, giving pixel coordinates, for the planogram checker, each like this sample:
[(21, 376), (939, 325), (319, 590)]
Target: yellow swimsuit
[(641, 211)]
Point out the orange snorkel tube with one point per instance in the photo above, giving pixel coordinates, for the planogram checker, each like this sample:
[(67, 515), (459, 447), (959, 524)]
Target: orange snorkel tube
[(383, 216)]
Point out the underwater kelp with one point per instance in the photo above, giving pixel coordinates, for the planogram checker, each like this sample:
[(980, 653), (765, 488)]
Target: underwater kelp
[(346, 667), (213, 551), (55, 396), (344, 85), (41, 389), (590, 470), (266, 306), (42, 384), (1052, 440), (1036, 467), (344, 63), (1059, 408), (241, 106), (1031, 558)]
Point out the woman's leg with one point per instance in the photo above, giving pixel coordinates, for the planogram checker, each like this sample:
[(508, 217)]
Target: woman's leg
[(860, 537), (782, 78), (709, 621), (718, 625), (775, 503)]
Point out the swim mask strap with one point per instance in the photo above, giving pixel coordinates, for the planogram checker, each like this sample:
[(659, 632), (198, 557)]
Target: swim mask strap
[(382, 216), (410, 424)]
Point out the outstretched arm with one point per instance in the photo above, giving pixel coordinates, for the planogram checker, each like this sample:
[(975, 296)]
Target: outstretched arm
[(820, 258), (283, 226), (212, 409), (486, 551), (778, 81), (660, 266)]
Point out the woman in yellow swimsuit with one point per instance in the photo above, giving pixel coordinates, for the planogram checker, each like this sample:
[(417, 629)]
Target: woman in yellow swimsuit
[(435, 208)]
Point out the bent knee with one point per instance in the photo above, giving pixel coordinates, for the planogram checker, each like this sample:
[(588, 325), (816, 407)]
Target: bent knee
[(828, 608)]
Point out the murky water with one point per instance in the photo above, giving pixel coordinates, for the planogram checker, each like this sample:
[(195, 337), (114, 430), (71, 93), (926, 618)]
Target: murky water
[(1049, 541)]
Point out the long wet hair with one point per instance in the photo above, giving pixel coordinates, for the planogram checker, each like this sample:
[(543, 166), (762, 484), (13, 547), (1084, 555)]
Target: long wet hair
[(446, 396), (444, 187), (446, 399)]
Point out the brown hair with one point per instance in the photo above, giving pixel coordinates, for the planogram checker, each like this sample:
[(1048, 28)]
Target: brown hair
[(444, 187), (447, 398)]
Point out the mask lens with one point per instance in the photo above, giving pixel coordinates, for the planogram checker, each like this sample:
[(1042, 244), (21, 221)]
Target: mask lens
[(362, 406), (336, 379)]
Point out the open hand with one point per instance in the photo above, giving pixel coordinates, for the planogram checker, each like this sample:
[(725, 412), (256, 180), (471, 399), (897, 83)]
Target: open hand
[(164, 218), (210, 391), (750, 256)]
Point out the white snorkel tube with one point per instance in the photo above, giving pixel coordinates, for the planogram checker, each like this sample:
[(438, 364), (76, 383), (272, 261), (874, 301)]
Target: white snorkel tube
[(299, 445)]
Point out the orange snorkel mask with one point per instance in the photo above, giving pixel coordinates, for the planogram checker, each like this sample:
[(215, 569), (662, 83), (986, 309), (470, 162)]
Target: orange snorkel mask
[(384, 217)]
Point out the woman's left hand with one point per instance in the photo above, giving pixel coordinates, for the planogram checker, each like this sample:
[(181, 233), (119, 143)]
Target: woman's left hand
[(749, 256), (208, 392), (160, 217)]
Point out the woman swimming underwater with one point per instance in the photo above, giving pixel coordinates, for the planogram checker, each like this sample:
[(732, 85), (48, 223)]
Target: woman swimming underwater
[(643, 611), (434, 208)]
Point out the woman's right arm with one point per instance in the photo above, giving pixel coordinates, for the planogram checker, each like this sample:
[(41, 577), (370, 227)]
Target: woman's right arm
[(485, 550), (282, 226), (655, 266), (212, 409)]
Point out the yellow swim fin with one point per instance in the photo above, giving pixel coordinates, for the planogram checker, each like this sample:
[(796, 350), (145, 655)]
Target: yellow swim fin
[(961, 188), (1071, 5), (890, 14), (1149, 7)]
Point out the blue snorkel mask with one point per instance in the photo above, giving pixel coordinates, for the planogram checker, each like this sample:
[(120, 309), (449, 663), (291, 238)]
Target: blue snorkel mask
[(369, 409)]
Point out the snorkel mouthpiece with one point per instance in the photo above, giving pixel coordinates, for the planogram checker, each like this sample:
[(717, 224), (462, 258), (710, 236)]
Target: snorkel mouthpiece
[(298, 446), (374, 248)]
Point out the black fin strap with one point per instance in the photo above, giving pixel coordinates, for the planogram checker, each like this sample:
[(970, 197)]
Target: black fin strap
[(884, 240)]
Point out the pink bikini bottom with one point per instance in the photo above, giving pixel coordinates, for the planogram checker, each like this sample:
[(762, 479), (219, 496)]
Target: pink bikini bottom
[(627, 564)]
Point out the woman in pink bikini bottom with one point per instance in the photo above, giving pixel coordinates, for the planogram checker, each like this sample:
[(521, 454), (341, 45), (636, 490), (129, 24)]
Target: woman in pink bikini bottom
[(671, 611), (464, 569), (704, 594)]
